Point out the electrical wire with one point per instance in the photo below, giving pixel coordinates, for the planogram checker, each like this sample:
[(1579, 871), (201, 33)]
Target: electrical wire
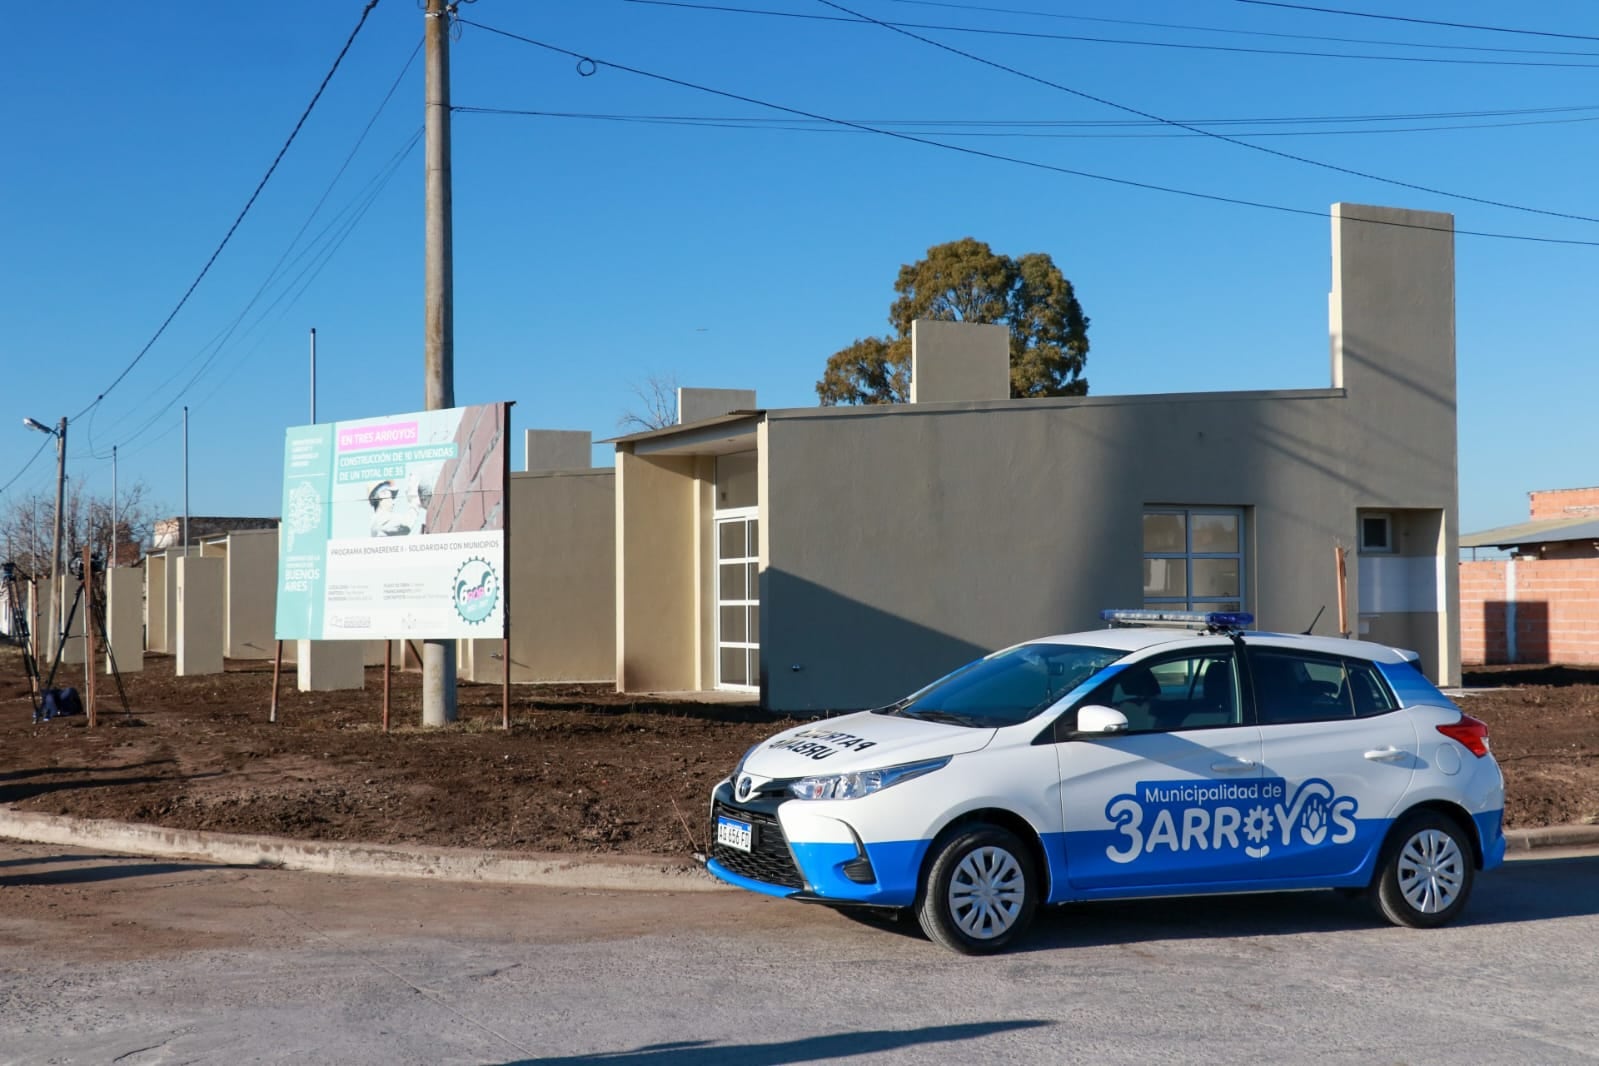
[(25, 468), (1238, 32), (1183, 46), (1421, 21), (217, 343), (1013, 128), (1017, 160), (1335, 168), (184, 299)]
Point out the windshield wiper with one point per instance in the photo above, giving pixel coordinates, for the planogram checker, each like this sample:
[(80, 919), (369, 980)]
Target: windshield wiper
[(948, 718)]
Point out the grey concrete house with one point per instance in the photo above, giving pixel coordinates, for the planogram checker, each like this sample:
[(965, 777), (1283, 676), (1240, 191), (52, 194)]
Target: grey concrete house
[(833, 558)]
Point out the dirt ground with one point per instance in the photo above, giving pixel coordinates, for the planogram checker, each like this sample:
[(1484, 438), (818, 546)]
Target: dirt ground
[(582, 770)]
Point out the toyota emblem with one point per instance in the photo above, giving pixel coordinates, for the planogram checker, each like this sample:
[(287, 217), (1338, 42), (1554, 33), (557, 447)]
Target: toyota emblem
[(745, 787)]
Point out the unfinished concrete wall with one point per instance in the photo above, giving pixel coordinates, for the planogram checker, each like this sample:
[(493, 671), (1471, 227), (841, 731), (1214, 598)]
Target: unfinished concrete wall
[(562, 581), (200, 584), (124, 617), (656, 503), (957, 361), (252, 577)]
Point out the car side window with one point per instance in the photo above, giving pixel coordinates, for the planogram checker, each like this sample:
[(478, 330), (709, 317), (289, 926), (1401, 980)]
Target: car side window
[(1292, 687), (1193, 691), (1370, 694)]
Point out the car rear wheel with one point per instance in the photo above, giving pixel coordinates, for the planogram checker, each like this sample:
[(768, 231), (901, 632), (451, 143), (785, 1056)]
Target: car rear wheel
[(1426, 873), (980, 893)]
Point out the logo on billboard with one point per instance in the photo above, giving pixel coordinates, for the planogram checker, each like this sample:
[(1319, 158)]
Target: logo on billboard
[(477, 590)]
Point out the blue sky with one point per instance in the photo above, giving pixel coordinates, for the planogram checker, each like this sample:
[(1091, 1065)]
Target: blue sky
[(593, 253)]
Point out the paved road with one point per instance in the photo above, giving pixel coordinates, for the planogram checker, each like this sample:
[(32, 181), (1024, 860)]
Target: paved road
[(107, 959)]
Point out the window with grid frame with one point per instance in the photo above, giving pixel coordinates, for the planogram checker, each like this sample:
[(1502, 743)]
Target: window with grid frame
[(1194, 558)]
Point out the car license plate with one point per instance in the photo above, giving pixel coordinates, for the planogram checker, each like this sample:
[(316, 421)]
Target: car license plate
[(733, 833)]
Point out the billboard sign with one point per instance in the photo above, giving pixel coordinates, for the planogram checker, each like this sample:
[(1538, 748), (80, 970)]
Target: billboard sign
[(394, 527)]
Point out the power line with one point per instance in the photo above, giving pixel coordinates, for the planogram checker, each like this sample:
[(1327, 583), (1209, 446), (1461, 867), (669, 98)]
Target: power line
[(1183, 46), (1211, 133), (366, 11), (952, 127), (220, 341), (25, 467), (584, 58), (1241, 33), (1420, 21)]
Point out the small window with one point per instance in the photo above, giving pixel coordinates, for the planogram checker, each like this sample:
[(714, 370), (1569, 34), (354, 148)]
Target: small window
[(1376, 533)]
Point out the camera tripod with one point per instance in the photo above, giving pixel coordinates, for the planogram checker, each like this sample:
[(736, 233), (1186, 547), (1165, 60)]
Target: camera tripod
[(94, 615), (21, 631)]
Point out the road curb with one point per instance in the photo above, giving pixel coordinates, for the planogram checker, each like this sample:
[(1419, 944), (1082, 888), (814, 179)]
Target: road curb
[(623, 872), (362, 860), (1554, 836)]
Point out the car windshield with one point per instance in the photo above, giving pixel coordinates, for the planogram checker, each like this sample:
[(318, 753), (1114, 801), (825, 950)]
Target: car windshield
[(1008, 687)]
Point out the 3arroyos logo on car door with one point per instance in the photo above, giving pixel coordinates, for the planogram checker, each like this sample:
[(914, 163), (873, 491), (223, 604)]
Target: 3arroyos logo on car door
[(1164, 822)]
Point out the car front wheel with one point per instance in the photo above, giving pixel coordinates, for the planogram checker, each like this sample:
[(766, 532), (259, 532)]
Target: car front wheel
[(1426, 873), (980, 893)]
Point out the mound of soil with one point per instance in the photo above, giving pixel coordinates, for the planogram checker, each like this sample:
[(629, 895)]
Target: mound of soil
[(582, 769)]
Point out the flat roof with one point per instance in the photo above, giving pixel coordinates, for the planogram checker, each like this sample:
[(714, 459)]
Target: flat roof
[(1542, 531)]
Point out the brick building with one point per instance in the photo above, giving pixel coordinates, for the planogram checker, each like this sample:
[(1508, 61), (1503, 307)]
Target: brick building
[(1540, 605)]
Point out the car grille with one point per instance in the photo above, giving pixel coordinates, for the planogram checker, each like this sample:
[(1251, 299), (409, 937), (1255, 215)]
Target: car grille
[(768, 860)]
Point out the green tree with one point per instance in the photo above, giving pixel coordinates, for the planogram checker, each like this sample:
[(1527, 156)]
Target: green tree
[(964, 281)]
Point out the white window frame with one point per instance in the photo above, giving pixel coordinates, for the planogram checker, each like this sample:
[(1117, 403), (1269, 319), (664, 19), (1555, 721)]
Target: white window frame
[(741, 514), (1361, 518), (1188, 555)]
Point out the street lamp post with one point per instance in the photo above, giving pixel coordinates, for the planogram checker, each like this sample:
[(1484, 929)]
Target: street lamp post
[(60, 434)]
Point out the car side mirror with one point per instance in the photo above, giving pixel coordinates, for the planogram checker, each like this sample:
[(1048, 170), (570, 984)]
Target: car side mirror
[(1095, 720)]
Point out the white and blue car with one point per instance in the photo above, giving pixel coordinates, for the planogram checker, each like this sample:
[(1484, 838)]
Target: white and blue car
[(1135, 761)]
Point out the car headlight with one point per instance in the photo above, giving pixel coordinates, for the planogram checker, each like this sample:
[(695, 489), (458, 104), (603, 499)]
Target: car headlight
[(862, 782)]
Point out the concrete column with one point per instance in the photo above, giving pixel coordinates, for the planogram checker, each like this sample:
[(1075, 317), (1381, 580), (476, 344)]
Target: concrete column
[(330, 665), (124, 617), (200, 586)]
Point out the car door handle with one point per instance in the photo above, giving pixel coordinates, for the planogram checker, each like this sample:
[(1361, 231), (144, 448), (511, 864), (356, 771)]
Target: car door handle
[(1389, 754), (1233, 766)]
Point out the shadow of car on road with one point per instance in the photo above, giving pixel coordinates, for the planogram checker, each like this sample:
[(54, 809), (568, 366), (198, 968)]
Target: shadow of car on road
[(808, 1049), (1527, 890)]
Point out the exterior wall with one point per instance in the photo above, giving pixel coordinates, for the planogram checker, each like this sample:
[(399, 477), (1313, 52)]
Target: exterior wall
[(1563, 503), (124, 617), (1529, 611), (329, 665), (656, 572), (251, 596), (955, 361), (200, 583), (160, 601), (562, 581), (903, 542)]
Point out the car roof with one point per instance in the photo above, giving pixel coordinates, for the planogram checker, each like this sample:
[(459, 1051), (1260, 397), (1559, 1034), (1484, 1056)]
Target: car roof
[(1138, 638)]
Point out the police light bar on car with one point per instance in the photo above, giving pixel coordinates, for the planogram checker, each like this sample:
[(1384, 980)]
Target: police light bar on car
[(1184, 619)]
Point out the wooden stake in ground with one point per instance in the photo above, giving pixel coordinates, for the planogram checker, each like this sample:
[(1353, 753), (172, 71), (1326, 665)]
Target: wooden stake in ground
[(277, 671), (388, 668), (88, 634)]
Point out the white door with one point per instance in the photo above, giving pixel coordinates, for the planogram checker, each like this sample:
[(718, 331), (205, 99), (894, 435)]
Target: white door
[(738, 600)]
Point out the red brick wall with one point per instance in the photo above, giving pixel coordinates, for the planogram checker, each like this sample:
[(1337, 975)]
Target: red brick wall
[(1556, 609), (1564, 503)]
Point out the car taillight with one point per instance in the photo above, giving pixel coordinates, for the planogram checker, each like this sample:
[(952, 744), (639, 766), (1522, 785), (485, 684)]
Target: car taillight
[(1471, 732)]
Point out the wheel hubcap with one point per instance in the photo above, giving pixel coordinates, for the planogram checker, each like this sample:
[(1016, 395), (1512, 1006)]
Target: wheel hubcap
[(986, 893), (1431, 871)]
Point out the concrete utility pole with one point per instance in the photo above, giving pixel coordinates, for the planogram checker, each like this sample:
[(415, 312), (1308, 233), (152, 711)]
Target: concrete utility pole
[(438, 656)]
